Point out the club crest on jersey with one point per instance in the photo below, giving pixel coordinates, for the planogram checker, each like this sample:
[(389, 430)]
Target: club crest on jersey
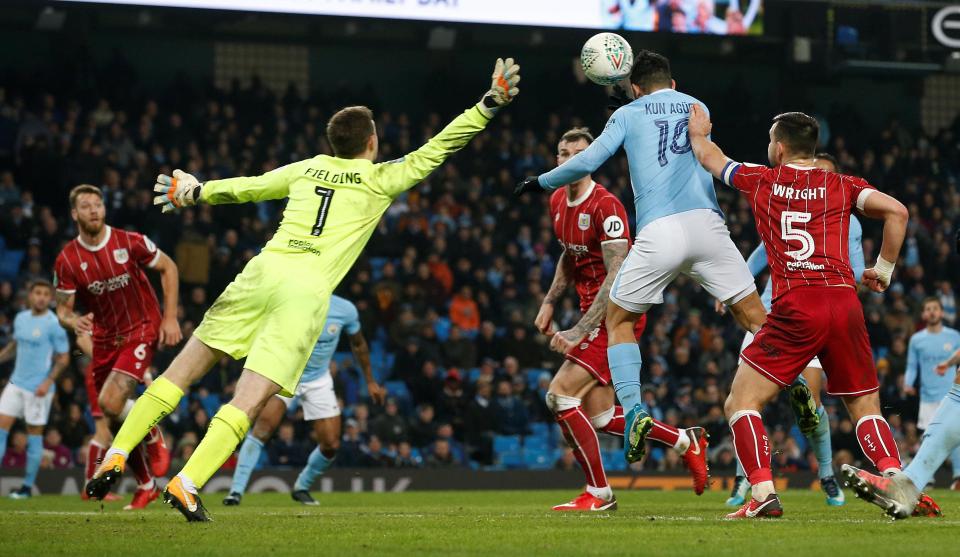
[(333, 329), (37, 333), (121, 256), (83, 265), (583, 221)]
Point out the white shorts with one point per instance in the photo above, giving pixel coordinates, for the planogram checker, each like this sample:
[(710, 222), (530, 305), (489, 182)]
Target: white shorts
[(748, 339), (317, 398), (927, 411), (23, 404), (696, 243)]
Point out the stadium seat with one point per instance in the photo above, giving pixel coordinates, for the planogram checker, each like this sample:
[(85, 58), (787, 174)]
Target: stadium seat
[(536, 443), (511, 459), (540, 429), (533, 375), (10, 261), (376, 267), (538, 460), (503, 443), (398, 390), (472, 375), (613, 461), (442, 328)]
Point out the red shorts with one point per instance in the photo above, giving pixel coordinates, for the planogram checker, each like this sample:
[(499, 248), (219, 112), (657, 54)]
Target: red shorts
[(591, 353), (816, 321), (130, 355)]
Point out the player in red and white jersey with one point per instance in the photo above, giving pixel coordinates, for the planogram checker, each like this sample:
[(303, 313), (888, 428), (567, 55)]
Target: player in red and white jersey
[(591, 225), (803, 217), (102, 270)]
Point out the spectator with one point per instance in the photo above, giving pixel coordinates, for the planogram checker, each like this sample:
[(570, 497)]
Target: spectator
[(285, 449), (423, 429), (60, 455), (390, 426), (509, 410)]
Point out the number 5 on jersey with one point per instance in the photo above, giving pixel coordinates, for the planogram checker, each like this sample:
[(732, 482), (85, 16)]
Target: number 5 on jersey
[(788, 232), (326, 195)]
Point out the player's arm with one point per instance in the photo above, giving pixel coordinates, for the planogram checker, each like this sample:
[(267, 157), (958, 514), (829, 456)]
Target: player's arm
[(8, 352), (878, 205), (581, 164), (952, 362), (561, 280), (184, 190), (69, 319), (60, 362), (170, 334), (395, 177), (913, 367), (361, 351), (614, 252), (707, 152)]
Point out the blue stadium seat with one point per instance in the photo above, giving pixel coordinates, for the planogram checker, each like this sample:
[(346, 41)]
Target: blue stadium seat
[(536, 443), (398, 390), (533, 375), (540, 429), (442, 327), (511, 459), (503, 443), (538, 460), (376, 267), (613, 461), (10, 261), (472, 375)]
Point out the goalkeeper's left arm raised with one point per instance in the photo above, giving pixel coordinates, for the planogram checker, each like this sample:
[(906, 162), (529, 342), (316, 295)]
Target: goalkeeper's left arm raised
[(184, 190), (394, 177)]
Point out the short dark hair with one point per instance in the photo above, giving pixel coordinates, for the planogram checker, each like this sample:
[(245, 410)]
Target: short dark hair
[(828, 157), (650, 69), (348, 131), (40, 283), (576, 134), (77, 191), (798, 131), (931, 300)]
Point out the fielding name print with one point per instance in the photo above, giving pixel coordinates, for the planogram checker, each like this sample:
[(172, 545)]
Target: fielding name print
[(333, 177)]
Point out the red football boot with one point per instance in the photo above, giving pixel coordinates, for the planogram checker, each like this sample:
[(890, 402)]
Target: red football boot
[(157, 453), (587, 502), (695, 458), (926, 507), (768, 508), (142, 498)]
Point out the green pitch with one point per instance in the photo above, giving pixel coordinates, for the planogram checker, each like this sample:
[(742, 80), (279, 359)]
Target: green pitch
[(472, 523)]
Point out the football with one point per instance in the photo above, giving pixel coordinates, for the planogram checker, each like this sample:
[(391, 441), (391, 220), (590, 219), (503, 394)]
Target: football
[(606, 58)]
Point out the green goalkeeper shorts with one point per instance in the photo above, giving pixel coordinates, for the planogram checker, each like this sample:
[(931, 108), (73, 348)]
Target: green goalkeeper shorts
[(272, 314)]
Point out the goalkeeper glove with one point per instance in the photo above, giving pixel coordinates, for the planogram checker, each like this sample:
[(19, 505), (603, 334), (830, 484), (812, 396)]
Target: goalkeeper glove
[(181, 190), (530, 183), (503, 87)]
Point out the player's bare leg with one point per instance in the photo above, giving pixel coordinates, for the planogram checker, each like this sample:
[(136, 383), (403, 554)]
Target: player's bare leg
[(267, 422), (160, 398), (749, 393), (623, 357), (227, 429), (327, 433), (600, 404), (749, 312)]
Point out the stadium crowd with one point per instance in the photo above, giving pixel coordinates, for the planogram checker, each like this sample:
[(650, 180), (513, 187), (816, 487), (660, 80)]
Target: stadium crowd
[(449, 285)]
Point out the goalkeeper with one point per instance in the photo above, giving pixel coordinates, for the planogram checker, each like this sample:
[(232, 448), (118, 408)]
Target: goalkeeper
[(273, 312)]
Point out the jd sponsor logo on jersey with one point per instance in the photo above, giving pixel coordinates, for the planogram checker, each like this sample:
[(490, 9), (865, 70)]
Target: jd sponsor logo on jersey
[(121, 256), (613, 226), (583, 221)]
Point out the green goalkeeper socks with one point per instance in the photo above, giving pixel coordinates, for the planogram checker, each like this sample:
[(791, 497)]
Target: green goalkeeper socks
[(227, 429), (160, 398)]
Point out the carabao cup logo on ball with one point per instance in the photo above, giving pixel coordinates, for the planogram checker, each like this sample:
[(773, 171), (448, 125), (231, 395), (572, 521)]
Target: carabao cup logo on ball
[(606, 58)]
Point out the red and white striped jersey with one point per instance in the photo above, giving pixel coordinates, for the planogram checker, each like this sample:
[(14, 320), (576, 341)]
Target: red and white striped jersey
[(108, 281), (803, 217), (583, 226)]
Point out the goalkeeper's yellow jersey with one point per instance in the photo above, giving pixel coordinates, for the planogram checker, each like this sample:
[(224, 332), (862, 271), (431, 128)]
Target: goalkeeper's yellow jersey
[(335, 204)]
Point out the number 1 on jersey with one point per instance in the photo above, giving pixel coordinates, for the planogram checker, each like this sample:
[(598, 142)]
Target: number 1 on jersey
[(326, 195)]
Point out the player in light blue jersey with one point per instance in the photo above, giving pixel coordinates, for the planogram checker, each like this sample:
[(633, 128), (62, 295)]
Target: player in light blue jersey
[(805, 393), (680, 227), (929, 347), (315, 394), (41, 349)]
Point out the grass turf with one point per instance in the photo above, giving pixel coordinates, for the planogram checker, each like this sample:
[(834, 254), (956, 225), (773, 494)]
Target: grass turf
[(472, 523)]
